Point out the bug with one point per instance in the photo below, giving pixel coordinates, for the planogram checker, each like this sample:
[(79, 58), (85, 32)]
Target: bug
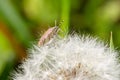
[(51, 32)]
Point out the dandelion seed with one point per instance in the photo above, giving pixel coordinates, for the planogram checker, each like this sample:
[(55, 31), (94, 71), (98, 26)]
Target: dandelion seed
[(71, 58)]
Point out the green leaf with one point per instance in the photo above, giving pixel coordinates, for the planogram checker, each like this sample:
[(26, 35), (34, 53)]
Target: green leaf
[(7, 55), (111, 41), (15, 21)]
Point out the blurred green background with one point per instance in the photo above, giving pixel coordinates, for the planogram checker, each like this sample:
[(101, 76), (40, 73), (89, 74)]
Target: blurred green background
[(22, 22)]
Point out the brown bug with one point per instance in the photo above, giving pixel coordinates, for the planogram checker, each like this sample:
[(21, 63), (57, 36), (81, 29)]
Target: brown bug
[(48, 35), (51, 32)]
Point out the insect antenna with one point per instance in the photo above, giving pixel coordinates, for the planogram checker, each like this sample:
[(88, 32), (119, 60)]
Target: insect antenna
[(61, 23)]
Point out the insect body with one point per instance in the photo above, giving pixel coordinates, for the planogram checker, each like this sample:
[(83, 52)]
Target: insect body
[(51, 32)]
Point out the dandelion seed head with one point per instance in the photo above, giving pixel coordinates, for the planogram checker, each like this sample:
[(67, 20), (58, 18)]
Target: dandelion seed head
[(71, 58)]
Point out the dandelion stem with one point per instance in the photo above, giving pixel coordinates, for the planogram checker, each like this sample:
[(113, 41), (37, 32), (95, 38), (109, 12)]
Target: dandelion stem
[(65, 13)]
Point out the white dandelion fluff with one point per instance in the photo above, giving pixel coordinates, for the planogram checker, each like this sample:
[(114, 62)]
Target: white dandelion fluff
[(71, 58)]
